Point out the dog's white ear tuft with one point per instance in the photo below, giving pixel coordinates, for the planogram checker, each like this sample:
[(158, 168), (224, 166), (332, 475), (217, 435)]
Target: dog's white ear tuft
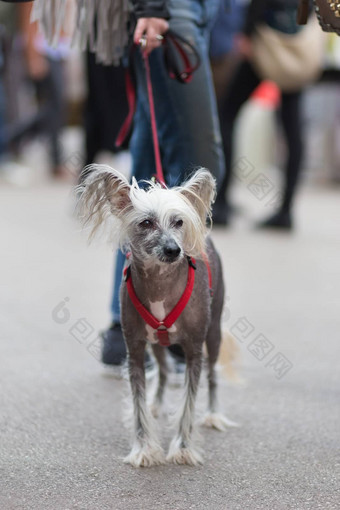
[(102, 184), (117, 191), (103, 191), (200, 190)]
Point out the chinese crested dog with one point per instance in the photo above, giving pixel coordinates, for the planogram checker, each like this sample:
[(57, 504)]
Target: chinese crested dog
[(172, 293)]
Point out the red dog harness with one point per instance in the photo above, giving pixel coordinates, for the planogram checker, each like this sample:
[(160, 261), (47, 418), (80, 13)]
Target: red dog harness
[(163, 326)]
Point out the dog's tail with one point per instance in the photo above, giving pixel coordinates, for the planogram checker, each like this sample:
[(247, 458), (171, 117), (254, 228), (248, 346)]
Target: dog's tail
[(229, 356)]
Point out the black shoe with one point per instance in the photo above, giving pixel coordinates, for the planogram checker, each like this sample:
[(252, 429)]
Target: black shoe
[(113, 347), (114, 352), (280, 220)]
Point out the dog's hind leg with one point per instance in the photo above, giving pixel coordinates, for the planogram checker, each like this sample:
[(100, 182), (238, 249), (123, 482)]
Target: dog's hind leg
[(213, 418), (160, 355), (146, 450), (181, 450)]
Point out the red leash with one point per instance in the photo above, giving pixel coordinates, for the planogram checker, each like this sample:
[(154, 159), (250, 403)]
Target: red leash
[(158, 162), (125, 129)]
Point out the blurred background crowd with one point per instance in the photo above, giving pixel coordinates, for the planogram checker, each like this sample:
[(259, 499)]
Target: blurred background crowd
[(59, 109)]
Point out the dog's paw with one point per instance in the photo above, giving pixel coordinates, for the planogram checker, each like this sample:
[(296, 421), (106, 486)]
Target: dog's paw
[(145, 455), (217, 421), (182, 454)]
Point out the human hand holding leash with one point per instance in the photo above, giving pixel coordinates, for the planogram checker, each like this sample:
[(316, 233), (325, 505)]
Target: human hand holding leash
[(149, 33)]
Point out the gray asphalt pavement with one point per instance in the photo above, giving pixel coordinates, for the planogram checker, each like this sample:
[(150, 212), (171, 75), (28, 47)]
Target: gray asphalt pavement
[(62, 431)]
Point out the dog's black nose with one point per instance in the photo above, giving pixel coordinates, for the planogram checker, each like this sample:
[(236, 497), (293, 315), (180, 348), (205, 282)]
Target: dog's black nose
[(172, 250)]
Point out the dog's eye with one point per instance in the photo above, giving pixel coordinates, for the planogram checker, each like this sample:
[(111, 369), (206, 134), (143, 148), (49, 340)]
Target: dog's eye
[(178, 223), (146, 224)]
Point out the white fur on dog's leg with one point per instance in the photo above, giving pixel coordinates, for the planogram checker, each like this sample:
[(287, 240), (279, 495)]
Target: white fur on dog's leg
[(145, 455), (183, 455), (217, 421)]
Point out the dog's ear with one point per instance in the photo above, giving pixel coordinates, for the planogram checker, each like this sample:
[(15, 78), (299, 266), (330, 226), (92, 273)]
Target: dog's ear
[(117, 190), (200, 190), (101, 184), (102, 192)]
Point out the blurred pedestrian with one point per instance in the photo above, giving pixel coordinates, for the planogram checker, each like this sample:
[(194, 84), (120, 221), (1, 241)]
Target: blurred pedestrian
[(223, 53), (279, 15), (44, 68)]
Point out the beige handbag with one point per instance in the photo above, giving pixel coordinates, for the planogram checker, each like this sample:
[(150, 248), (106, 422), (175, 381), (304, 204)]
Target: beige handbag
[(292, 61)]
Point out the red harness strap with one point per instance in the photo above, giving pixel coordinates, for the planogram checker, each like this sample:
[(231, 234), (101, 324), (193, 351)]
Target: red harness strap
[(162, 326)]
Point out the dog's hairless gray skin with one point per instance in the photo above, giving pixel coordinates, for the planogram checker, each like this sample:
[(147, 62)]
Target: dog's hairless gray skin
[(157, 236)]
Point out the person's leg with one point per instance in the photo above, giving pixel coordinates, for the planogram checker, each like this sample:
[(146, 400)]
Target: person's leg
[(195, 107), (106, 107), (55, 105), (290, 113), (292, 125), (241, 86), (115, 304)]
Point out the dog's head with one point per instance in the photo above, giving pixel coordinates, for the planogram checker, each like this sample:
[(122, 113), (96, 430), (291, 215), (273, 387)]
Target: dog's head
[(156, 223)]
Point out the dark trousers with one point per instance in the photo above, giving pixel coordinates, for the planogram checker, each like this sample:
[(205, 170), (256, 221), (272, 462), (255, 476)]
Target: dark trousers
[(106, 107), (243, 83)]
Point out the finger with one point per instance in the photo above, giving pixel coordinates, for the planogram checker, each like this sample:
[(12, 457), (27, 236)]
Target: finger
[(162, 26), (155, 39), (152, 32), (139, 30)]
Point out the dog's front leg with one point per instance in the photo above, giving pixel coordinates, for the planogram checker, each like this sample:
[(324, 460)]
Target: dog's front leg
[(146, 450), (181, 449)]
